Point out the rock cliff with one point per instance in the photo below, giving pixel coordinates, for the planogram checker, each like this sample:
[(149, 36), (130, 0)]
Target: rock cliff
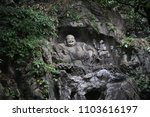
[(92, 63)]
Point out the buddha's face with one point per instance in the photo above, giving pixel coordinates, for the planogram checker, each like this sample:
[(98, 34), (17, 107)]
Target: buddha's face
[(70, 40)]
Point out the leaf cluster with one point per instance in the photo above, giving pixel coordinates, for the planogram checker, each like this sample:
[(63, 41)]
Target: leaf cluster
[(40, 67), (21, 30), (144, 83), (126, 42)]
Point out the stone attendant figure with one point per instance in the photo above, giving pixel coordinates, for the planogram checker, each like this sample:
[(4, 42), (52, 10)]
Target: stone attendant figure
[(103, 53)]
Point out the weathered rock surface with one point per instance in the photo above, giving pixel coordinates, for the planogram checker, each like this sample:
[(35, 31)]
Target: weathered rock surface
[(93, 16), (107, 74), (99, 85)]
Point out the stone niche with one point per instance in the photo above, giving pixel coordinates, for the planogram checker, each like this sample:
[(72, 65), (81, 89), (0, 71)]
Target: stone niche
[(90, 76), (105, 47)]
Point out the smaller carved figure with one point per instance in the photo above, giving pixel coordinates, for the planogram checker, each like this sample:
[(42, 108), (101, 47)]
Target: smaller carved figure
[(103, 49), (94, 43), (103, 53), (124, 59), (102, 45), (111, 47), (117, 56)]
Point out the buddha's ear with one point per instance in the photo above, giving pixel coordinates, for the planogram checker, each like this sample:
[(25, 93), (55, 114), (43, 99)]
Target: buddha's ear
[(75, 40)]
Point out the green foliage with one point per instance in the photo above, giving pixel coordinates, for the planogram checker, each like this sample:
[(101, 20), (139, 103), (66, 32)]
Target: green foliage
[(21, 32), (43, 85), (22, 29), (10, 92), (144, 83), (93, 23), (73, 15), (40, 67), (126, 42)]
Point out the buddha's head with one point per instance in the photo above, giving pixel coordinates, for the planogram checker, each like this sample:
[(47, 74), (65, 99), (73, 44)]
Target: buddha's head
[(101, 41), (70, 40)]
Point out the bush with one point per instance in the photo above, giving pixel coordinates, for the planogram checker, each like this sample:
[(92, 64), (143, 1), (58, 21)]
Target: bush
[(21, 29), (21, 32)]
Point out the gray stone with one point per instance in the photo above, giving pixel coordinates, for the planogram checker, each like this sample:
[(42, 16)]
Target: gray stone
[(122, 91), (104, 74), (89, 75), (86, 88)]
